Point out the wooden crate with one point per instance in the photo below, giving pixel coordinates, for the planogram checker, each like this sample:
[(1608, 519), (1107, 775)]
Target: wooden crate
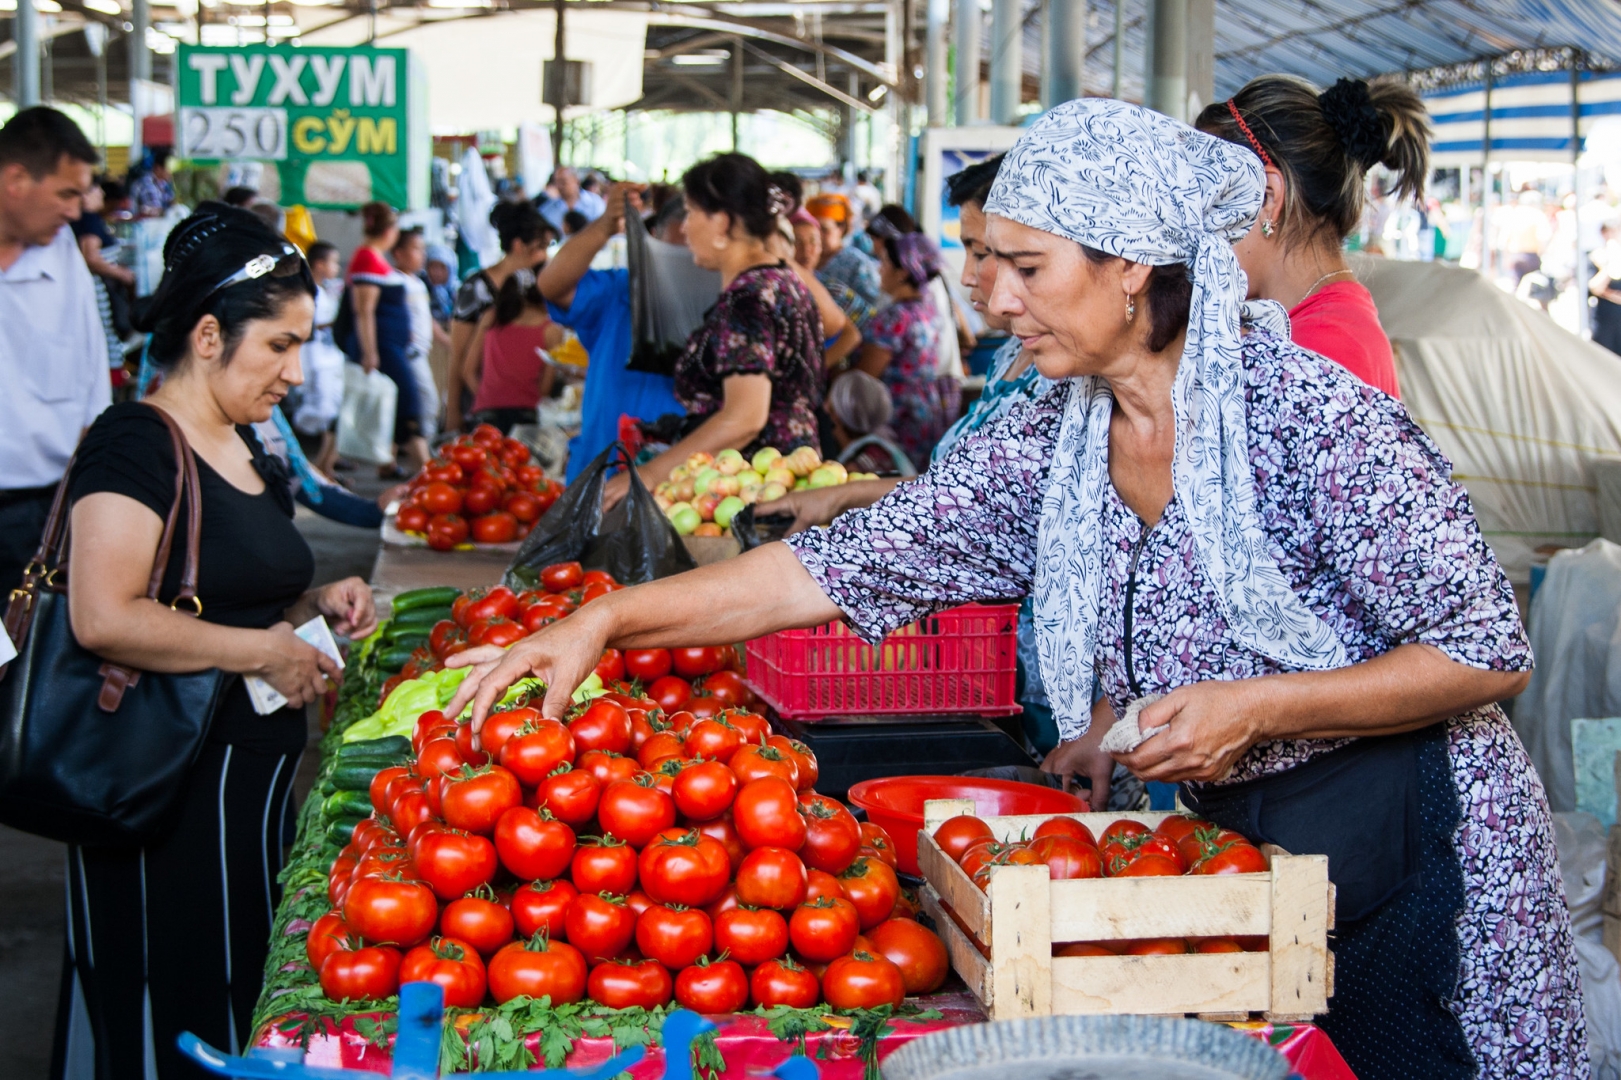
[(1001, 940)]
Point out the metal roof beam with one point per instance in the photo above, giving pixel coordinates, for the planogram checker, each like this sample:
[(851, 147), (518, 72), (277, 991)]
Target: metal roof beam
[(810, 80), (665, 17)]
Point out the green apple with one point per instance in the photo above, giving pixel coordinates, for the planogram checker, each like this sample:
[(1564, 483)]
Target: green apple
[(705, 482), (765, 458), (771, 491), (684, 518), (779, 475), (729, 462), (727, 510), (822, 477)]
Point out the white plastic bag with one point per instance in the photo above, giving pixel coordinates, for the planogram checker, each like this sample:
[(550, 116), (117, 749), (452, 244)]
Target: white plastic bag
[(366, 421), (1581, 841)]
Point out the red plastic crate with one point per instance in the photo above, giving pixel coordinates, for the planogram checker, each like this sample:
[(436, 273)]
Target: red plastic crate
[(957, 661)]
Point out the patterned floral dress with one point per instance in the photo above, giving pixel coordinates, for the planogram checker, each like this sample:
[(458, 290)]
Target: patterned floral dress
[(1374, 536), (857, 271), (765, 323), (910, 331)]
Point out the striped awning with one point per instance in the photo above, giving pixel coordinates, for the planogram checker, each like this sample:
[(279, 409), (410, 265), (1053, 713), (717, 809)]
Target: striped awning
[(1531, 116)]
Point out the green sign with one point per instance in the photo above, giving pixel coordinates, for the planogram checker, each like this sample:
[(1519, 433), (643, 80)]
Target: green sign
[(343, 126)]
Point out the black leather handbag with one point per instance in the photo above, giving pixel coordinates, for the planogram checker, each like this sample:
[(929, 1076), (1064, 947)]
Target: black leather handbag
[(92, 752)]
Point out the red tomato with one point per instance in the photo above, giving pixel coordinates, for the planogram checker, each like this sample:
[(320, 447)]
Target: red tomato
[(528, 474), (824, 929), (819, 883), (363, 974), (714, 739), (409, 810), (514, 453), (481, 499), (467, 456), (751, 935), (1117, 837), (561, 577), (728, 688), (467, 745), (532, 846), (501, 726), (497, 632), (684, 867), (600, 926), (438, 756), (543, 905), (1217, 945), (670, 693), (1239, 857), (379, 788), (659, 746), (783, 982), (705, 707), (608, 768), (570, 794), (766, 812), (1064, 826), (523, 506), (751, 762), (627, 984), (497, 603), (329, 934), (453, 965), (955, 835), (711, 988), (440, 498), (723, 830), (390, 910), (445, 531), (916, 950), (611, 668), (1083, 948), (805, 758), (536, 750), (1068, 857), (832, 835), (771, 877), (703, 791), (635, 811), (411, 519), (455, 863), (604, 725), (647, 664), (443, 472), (1155, 947), (538, 968), (479, 921), (863, 981), (475, 799), (752, 727), (604, 865), (675, 938), (873, 888), (1149, 864), (875, 840), (372, 832), (693, 663), (499, 527)]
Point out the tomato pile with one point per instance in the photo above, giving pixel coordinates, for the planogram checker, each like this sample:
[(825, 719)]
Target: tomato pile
[(482, 487), (629, 854), (700, 680)]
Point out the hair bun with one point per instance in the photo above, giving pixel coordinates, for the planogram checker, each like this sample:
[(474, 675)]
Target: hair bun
[(1351, 113)]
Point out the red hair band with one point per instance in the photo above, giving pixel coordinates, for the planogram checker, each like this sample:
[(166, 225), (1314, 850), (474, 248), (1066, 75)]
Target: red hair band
[(1248, 134)]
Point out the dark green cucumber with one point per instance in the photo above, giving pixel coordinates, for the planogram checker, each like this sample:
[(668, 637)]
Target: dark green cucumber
[(398, 655), (354, 775), (437, 596), (417, 619), (346, 804), (340, 832), (393, 746)]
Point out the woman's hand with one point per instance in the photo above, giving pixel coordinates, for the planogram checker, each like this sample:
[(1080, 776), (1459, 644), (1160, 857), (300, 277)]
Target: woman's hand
[(1082, 758), (1211, 725), (617, 487), (349, 607), (296, 669), (369, 360), (819, 506), (561, 655)]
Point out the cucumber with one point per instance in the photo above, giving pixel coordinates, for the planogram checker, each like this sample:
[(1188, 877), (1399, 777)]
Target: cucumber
[(354, 775), (346, 804), (390, 746), (437, 596), (396, 656), (417, 619), (340, 832)]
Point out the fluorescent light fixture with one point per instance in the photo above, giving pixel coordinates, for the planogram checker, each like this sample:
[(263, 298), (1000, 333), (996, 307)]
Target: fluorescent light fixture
[(876, 94), (701, 58), (106, 7), (459, 5)]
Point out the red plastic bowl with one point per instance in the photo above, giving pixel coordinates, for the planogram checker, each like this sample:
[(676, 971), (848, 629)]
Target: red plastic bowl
[(896, 803)]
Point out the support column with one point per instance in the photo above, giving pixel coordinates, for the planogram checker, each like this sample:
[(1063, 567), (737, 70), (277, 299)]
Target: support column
[(559, 87), (1580, 276), (737, 87), (1167, 82), (1065, 68), (970, 21), (1201, 57), (1007, 60), (936, 91), (853, 88), (1117, 85), (25, 61), (140, 70)]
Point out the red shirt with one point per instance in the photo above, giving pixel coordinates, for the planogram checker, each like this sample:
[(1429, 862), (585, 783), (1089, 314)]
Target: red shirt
[(510, 378), (1340, 322)]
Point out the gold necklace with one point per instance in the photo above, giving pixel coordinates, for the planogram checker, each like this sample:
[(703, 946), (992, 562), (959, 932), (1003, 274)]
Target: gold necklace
[(1319, 281)]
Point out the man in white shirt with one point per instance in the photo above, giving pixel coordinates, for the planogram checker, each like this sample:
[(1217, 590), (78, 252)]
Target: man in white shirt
[(53, 353), (564, 194)]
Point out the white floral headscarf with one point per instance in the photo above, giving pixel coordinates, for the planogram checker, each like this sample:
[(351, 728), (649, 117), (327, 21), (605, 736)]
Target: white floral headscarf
[(1136, 184)]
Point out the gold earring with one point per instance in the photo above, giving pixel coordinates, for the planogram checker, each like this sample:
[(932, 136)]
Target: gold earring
[(1267, 230), (720, 243), (1131, 307)]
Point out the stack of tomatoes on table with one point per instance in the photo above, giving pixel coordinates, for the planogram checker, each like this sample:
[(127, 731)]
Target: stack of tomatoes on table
[(482, 487), (627, 855), (1178, 845)]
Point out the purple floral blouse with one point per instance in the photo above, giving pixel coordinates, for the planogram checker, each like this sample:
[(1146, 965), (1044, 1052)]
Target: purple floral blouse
[(1373, 534), (910, 331), (765, 323)]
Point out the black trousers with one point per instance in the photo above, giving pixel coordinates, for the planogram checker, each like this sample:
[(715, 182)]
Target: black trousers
[(172, 937), (22, 523)]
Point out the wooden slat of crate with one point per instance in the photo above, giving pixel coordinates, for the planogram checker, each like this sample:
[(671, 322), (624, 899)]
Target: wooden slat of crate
[(956, 888), (1105, 909), (1198, 983), (966, 959), (1301, 976)]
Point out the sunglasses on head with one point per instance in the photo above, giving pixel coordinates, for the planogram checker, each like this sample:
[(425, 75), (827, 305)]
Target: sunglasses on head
[(287, 264)]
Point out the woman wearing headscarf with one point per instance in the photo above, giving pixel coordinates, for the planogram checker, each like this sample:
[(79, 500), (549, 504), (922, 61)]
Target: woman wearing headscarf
[(1317, 149), (858, 409), (901, 343), (841, 263), (1204, 510)]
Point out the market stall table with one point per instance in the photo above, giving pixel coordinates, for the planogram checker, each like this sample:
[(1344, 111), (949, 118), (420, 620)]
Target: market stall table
[(749, 1047)]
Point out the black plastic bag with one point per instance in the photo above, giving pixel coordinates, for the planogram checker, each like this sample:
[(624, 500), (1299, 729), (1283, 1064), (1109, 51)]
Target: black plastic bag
[(670, 296), (634, 541), (752, 531)]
